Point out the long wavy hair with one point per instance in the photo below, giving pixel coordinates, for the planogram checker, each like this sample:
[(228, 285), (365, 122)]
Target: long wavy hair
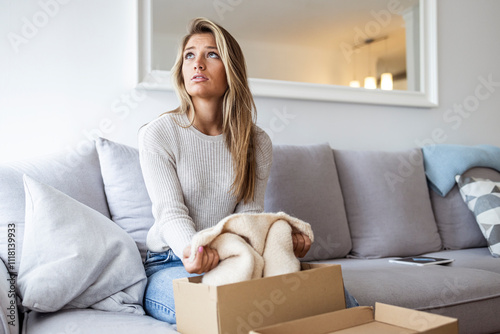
[(238, 108)]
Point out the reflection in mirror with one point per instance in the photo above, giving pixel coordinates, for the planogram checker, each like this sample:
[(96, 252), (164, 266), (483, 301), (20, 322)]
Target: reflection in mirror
[(309, 49), (331, 42)]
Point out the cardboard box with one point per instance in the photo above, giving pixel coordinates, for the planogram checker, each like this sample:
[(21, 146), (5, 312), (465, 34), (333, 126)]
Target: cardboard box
[(239, 307), (387, 320)]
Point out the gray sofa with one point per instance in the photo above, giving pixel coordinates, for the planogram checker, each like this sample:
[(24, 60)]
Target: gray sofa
[(365, 208)]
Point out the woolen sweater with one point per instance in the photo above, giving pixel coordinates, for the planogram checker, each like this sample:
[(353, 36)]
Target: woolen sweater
[(188, 175)]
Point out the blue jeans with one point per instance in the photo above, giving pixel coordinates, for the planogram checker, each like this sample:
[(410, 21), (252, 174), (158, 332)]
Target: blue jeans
[(161, 270)]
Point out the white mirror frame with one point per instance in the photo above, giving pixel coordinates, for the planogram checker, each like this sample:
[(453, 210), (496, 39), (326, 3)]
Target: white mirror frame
[(426, 97)]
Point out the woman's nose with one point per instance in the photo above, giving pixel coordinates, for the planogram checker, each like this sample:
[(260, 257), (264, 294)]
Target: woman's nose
[(199, 65)]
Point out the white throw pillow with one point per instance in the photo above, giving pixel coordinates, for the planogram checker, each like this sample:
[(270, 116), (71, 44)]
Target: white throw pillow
[(128, 199), (77, 175), (74, 257)]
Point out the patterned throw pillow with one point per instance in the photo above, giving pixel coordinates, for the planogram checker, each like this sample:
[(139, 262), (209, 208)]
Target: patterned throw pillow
[(482, 196)]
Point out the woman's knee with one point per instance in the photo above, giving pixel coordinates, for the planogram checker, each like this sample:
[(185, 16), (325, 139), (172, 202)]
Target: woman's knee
[(159, 296), (159, 310)]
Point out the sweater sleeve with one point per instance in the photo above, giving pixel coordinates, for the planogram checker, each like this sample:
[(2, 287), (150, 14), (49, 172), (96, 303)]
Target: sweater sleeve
[(264, 155), (173, 227)]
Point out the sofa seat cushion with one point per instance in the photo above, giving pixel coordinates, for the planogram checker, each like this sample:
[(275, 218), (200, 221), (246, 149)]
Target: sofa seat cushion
[(475, 258), (463, 293), (88, 321), (387, 203), (356, 263)]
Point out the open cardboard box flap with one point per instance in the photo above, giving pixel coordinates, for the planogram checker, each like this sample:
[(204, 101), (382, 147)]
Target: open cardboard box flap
[(387, 319), (239, 307)]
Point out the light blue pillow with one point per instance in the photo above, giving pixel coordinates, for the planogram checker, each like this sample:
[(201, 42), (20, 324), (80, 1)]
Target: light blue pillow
[(444, 161)]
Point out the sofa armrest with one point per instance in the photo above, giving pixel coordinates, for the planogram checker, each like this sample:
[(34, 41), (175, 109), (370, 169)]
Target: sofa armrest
[(9, 320)]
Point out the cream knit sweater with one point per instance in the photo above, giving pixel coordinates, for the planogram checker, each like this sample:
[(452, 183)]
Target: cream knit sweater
[(188, 176)]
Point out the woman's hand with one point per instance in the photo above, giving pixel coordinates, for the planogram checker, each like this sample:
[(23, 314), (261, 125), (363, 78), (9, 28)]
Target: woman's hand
[(301, 244), (205, 260)]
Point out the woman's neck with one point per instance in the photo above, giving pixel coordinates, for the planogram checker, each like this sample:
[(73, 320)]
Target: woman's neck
[(208, 118)]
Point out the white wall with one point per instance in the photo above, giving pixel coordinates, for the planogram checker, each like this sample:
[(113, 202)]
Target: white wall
[(76, 74), (63, 64)]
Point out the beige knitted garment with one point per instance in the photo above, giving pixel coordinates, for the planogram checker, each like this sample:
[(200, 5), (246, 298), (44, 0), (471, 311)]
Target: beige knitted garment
[(251, 246), (188, 176)]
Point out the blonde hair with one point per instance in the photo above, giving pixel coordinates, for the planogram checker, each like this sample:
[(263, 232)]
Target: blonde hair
[(238, 108)]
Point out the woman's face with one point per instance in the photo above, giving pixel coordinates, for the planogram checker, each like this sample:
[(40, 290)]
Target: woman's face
[(203, 71)]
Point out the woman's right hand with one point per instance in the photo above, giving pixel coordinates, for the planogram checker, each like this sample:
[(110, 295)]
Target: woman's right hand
[(206, 259)]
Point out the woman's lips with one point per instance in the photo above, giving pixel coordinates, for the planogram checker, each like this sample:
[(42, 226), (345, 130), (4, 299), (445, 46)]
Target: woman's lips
[(199, 78)]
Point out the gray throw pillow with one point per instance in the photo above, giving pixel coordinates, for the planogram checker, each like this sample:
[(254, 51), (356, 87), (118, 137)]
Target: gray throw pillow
[(304, 183), (482, 196), (74, 257), (387, 203), (77, 175), (128, 199)]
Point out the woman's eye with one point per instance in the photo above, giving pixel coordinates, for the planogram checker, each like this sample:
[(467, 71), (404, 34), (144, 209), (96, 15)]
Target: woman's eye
[(189, 55), (213, 55)]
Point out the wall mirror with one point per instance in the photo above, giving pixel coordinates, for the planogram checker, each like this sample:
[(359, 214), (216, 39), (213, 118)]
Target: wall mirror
[(327, 50)]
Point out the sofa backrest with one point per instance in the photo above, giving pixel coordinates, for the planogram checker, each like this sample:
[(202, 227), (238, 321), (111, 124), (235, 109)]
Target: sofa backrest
[(379, 200), (304, 183), (365, 204), (387, 203)]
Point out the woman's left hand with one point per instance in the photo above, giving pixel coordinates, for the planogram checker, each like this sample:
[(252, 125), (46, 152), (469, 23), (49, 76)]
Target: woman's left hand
[(301, 244)]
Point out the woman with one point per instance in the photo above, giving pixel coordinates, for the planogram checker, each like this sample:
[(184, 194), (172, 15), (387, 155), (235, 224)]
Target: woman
[(201, 162)]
